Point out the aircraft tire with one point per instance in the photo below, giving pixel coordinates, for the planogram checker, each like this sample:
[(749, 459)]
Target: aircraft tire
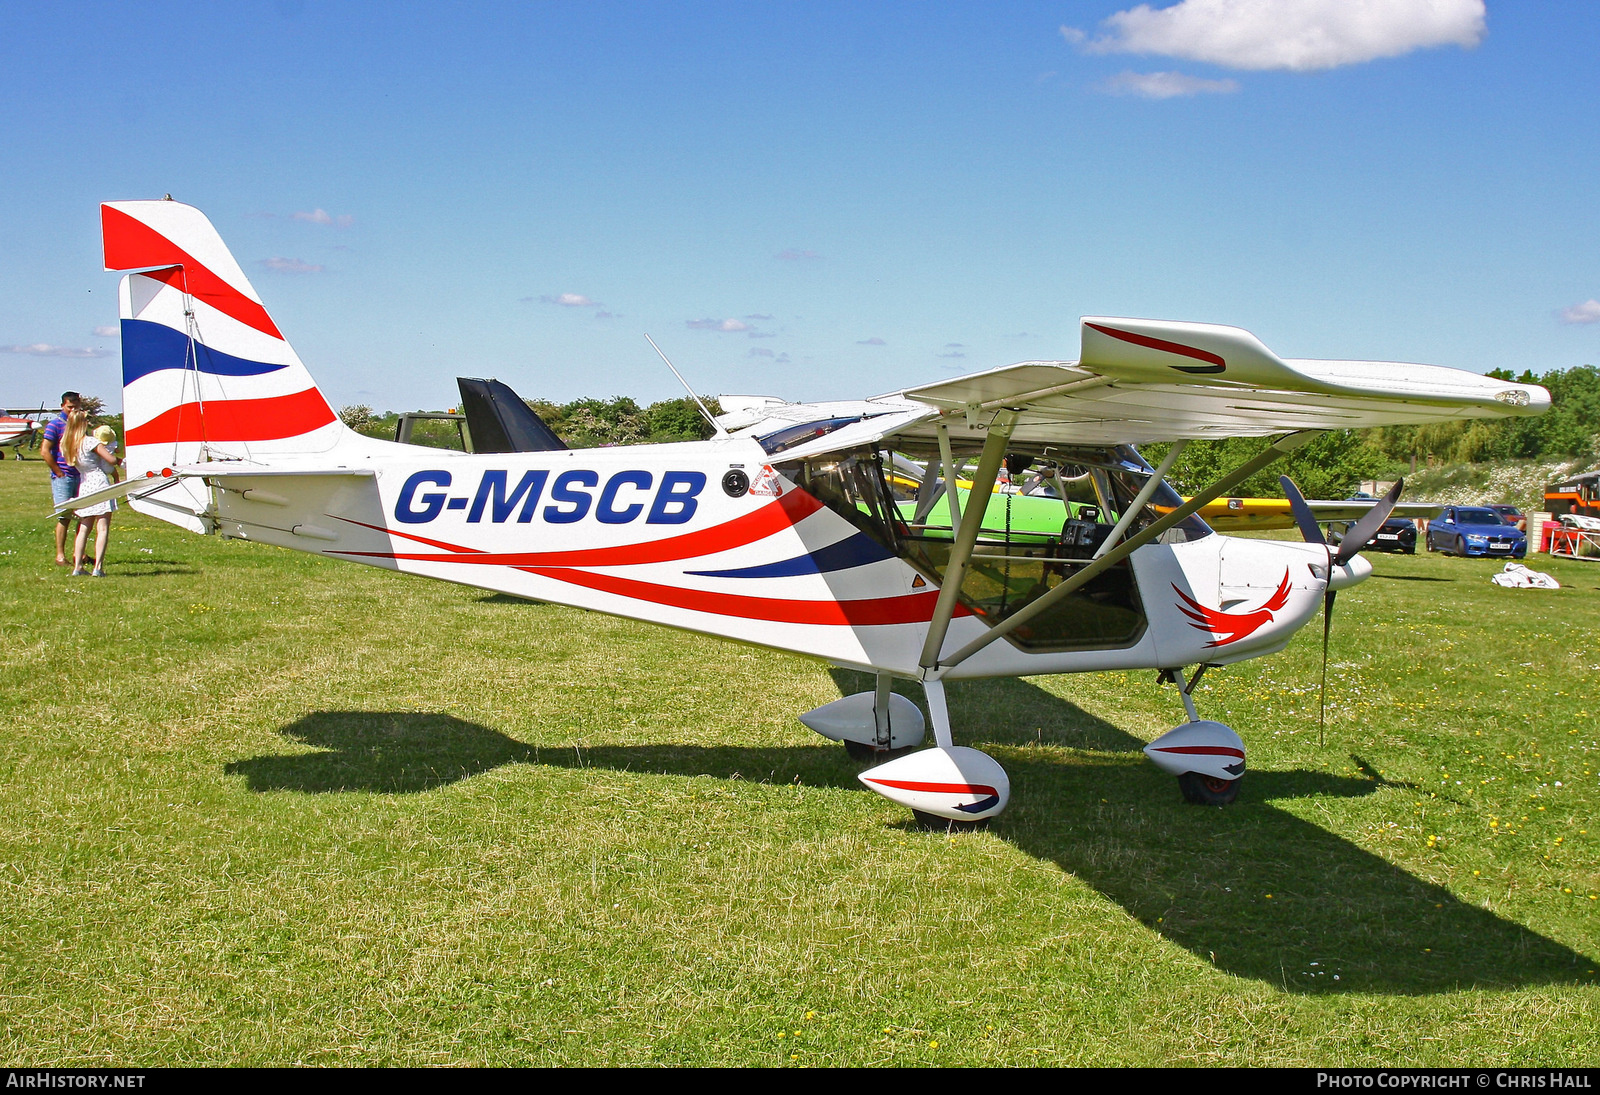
[(933, 823), (872, 754), (1207, 791), (859, 751)]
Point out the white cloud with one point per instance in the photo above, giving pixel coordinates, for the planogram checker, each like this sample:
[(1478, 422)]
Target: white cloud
[(794, 254), (571, 300), (44, 349), (758, 317), (716, 325), (1164, 85), (1587, 312), (760, 351), (280, 265), (108, 332), (1297, 35), (873, 341), (322, 216)]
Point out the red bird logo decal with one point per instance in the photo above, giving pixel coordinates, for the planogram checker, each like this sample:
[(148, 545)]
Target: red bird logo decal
[(1234, 626)]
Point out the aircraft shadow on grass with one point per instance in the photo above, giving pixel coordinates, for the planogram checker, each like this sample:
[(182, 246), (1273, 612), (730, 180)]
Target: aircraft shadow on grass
[(1339, 919), (148, 568), (507, 599)]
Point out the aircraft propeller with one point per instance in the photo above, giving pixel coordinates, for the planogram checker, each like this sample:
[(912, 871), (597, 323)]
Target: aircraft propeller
[(1350, 545)]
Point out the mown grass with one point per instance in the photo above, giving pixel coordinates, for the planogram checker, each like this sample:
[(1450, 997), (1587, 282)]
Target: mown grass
[(264, 808)]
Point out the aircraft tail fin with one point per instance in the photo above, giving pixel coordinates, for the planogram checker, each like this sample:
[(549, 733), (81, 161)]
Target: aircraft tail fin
[(205, 371)]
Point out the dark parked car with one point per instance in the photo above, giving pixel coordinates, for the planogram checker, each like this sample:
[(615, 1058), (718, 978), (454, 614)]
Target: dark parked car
[(1475, 530), (1395, 534)]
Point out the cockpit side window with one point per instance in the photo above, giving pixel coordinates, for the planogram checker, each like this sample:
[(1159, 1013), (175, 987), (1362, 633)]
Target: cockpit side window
[(1120, 478), (1042, 523), (852, 485)]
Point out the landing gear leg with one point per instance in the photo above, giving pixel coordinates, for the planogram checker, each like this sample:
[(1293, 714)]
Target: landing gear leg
[(946, 787), (943, 739), (880, 719), (1207, 757), (940, 712)]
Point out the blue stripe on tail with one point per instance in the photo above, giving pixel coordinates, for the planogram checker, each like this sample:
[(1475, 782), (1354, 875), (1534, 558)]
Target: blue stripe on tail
[(150, 347)]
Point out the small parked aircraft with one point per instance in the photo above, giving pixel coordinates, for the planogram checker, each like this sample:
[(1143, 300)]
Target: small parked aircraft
[(783, 530), (19, 429)]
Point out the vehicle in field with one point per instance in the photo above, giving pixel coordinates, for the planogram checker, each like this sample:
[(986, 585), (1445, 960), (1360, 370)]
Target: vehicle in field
[(1579, 495), (1395, 534), (1510, 514), (1475, 530)]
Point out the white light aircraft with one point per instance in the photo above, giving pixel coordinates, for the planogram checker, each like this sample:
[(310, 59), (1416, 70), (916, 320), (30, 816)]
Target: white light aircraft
[(19, 428), (783, 530)]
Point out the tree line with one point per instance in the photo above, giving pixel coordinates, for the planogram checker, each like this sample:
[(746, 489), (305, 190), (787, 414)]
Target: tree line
[(582, 423)]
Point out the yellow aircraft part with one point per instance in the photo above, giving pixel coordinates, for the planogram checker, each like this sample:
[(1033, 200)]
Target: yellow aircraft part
[(1241, 514)]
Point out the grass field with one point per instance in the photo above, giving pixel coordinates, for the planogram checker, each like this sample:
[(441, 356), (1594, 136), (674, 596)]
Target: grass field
[(261, 808)]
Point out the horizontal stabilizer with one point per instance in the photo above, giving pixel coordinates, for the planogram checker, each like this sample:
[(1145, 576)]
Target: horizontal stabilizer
[(152, 482)]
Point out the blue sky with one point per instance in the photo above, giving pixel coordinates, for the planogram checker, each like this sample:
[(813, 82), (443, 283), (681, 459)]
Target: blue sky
[(809, 200)]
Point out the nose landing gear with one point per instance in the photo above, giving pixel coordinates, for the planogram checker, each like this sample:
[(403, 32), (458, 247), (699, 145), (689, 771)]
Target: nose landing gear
[(1206, 756)]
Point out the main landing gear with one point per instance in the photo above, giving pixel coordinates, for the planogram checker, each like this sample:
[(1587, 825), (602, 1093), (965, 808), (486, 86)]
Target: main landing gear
[(951, 786), (873, 725), (1206, 756), (946, 786)]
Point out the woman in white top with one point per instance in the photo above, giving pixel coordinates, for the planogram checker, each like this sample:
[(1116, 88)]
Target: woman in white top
[(96, 461)]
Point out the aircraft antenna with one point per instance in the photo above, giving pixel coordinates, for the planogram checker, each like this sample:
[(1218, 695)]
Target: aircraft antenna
[(697, 401)]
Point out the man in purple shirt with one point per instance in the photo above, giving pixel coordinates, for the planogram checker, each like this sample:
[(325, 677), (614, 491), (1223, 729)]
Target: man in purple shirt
[(63, 476)]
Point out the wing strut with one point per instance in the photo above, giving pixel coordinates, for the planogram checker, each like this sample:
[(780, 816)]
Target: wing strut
[(1280, 447), (952, 489), (994, 451)]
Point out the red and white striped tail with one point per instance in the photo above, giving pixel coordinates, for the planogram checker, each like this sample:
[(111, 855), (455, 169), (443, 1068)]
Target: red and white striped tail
[(206, 373)]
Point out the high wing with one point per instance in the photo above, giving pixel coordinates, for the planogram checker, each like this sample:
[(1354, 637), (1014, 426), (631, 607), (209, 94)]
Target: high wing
[(1139, 381)]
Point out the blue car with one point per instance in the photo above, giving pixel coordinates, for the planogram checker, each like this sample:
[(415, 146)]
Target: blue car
[(1475, 530)]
